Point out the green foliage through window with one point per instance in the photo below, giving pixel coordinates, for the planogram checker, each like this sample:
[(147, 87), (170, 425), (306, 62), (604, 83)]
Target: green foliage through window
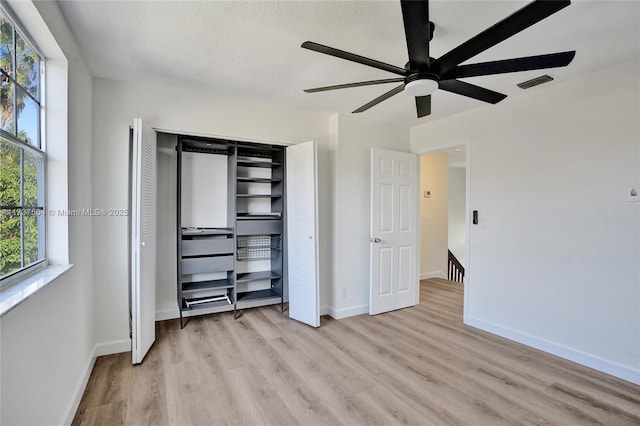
[(21, 169), (19, 85)]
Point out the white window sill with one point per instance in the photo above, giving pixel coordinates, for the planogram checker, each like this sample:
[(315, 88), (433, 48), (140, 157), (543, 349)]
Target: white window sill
[(27, 287)]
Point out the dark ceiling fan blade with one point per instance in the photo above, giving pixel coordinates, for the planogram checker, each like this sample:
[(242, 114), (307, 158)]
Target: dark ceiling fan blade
[(471, 91), (423, 105), (552, 60), (524, 18), (348, 85), (415, 15), (353, 57), (380, 98)]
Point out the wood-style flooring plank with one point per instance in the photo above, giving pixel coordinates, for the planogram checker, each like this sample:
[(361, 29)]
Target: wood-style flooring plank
[(110, 414), (415, 366), (309, 407), (109, 384)]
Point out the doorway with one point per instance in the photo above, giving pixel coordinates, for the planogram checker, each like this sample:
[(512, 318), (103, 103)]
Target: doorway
[(445, 213)]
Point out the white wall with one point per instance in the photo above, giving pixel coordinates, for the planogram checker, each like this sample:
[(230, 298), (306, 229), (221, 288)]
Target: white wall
[(356, 135), (166, 305), (434, 215), (554, 260), (457, 215), (115, 104), (204, 203), (47, 342)]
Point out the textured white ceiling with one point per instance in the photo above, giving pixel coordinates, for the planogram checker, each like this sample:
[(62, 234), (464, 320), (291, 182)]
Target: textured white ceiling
[(253, 48)]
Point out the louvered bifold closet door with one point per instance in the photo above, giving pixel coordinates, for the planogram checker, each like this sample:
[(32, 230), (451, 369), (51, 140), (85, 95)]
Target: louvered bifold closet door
[(143, 228), (302, 233)]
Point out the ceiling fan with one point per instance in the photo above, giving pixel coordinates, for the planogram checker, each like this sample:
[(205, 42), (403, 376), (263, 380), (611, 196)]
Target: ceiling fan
[(423, 75)]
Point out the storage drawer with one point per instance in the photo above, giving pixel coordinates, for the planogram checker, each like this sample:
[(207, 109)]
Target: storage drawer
[(203, 265), (259, 227), (203, 246)]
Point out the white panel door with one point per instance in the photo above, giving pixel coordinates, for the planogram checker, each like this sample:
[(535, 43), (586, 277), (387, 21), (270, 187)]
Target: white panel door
[(394, 231), (143, 253), (302, 233)]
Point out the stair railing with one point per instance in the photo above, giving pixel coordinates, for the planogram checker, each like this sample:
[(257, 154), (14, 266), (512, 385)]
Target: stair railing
[(455, 269)]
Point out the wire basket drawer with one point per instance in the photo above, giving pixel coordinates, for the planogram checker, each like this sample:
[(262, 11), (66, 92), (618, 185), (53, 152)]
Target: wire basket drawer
[(258, 247)]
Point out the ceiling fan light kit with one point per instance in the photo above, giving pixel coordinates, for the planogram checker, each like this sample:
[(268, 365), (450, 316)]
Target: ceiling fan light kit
[(424, 75), (420, 87)]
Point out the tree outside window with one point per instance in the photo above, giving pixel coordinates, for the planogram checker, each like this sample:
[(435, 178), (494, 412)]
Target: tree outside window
[(22, 158)]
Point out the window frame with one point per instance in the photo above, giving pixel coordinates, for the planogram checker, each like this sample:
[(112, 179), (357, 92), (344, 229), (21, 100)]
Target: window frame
[(38, 150)]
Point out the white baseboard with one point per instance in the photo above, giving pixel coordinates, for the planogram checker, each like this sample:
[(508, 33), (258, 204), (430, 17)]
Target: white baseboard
[(168, 314), (347, 312), (72, 407), (113, 347), (433, 274), (592, 361)]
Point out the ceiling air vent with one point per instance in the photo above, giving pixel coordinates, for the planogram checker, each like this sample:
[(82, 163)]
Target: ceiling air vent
[(535, 81)]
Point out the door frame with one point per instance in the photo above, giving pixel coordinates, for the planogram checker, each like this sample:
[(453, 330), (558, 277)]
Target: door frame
[(446, 146)]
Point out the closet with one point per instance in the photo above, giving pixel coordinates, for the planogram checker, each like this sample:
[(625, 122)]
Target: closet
[(224, 225), (231, 245)]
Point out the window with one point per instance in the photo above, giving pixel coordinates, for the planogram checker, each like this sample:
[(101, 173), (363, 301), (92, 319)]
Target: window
[(22, 156)]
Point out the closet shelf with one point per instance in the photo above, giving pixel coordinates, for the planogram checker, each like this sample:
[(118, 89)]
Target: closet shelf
[(198, 286), (205, 150), (206, 146), (257, 180), (253, 149), (258, 295), (257, 276), (258, 216), (206, 231), (259, 195), (256, 163)]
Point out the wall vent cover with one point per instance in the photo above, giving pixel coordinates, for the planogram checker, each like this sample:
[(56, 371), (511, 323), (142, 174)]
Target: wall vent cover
[(535, 81)]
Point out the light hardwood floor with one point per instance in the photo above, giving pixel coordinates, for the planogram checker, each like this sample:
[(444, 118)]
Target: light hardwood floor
[(419, 366)]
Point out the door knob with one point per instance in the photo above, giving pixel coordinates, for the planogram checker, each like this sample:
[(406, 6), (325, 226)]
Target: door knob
[(375, 240)]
